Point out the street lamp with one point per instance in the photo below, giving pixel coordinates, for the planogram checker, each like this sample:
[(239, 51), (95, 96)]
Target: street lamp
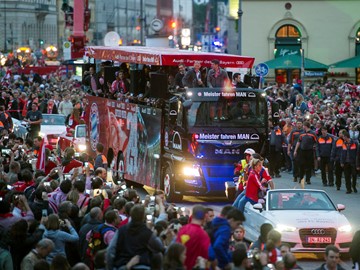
[(240, 13)]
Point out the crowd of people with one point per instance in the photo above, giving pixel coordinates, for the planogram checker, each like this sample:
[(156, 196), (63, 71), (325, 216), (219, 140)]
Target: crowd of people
[(318, 131), (75, 215)]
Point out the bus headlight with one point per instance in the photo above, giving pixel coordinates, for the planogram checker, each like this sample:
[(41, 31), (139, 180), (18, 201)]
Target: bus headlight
[(191, 171), (82, 147)]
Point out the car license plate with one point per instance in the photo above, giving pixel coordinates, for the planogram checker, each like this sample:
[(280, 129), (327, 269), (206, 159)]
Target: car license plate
[(318, 240)]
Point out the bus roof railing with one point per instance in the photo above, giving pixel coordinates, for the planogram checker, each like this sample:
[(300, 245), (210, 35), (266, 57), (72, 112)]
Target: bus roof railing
[(165, 56)]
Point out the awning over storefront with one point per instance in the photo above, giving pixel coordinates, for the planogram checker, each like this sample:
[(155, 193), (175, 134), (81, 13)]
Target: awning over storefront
[(294, 62), (166, 56), (353, 62)]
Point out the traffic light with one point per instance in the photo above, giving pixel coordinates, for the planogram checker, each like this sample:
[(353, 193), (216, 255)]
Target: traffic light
[(217, 29), (173, 24), (41, 42)]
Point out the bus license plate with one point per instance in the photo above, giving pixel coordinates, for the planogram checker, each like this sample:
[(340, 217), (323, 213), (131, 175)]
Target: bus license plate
[(318, 240)]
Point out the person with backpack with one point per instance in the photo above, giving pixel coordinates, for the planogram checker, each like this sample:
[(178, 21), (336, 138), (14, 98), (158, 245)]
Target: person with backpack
[(229, 220), (135, 238), (100, 237)]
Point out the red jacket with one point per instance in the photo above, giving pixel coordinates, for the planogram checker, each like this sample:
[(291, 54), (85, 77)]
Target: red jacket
[(253, 186), (197, 243)]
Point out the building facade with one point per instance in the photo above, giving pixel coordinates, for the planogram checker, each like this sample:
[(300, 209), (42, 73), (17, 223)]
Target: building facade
[(324, 30), (31, 23)]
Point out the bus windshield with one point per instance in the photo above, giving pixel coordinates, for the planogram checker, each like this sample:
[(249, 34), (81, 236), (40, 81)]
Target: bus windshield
[(238, 112)]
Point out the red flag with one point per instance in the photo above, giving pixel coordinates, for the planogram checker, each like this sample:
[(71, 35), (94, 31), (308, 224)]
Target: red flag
[(40, 163)]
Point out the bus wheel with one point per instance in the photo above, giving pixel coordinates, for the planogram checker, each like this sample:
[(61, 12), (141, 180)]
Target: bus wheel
[(169, 186)]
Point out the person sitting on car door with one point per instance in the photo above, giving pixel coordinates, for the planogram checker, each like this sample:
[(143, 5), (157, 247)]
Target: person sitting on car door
[(253, 185)]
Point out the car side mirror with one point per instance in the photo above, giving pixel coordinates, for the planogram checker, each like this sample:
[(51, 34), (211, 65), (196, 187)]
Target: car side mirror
[(258, 206), (340, 207)]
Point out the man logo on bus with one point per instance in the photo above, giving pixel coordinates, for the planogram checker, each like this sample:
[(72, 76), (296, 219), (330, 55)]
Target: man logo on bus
[(94, 126)]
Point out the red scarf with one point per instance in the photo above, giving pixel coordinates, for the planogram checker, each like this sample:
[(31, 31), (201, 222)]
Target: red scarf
[(6, 215)]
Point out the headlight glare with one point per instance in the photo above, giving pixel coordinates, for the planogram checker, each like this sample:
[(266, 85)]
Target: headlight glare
[(345, 228), (82, 147), (191, 171)]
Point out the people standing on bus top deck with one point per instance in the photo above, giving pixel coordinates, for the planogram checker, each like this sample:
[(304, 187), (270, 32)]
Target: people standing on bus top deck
[(179, 76), (216, 76), (120, 85), (237, 83), (192, 77), (91, 79)]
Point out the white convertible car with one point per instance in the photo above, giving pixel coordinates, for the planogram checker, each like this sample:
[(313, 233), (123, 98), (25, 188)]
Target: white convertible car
[(307, 219)]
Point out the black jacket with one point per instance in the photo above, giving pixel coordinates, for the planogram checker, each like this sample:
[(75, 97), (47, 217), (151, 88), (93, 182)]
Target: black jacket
[(136, 239), (322, 267)]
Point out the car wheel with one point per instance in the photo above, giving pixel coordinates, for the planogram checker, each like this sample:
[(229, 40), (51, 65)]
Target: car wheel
[(169, 186)]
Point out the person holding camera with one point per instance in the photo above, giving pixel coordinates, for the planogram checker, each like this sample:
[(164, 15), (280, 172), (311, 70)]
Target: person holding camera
[(52, 227), (7, 219)]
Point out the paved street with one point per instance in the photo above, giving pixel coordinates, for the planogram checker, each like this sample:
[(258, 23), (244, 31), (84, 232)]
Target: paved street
[(307, 261)]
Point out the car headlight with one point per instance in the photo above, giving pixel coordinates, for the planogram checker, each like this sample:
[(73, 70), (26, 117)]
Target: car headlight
[(345, 228), (285, 228), (191, 171), (82, 147)]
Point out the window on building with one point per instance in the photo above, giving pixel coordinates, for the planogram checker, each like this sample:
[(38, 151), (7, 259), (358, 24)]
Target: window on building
[(287, 31), (287, 42)]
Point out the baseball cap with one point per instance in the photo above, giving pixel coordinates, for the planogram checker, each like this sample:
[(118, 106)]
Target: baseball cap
[(249, 151)]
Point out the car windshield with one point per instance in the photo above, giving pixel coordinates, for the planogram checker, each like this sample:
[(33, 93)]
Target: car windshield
[(53, 119), (300, 200), (228, 113)]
